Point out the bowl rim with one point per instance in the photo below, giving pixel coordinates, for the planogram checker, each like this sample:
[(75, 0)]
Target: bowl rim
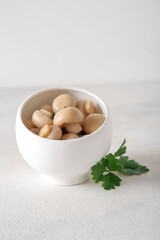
[(38, 92)]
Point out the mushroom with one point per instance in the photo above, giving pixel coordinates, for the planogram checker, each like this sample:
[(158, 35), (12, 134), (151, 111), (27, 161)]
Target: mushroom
[(35, 130), (92, 122), (89, 107), (80, 105), (63, 100), (67, 116), (68, 136), (73, 128), (45, 112), (56, 133), (47, 107), (39, 118), (29, 124), (45, 131)]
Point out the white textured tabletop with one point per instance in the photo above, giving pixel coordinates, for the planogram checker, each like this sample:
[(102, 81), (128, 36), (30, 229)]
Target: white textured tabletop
[(31, 208)]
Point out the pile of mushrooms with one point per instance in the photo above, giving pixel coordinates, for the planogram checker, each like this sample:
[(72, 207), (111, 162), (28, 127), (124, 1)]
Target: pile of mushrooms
[(65, 119)]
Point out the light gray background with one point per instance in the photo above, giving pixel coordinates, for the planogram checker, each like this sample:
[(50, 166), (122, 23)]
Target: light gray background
[(70, 42)]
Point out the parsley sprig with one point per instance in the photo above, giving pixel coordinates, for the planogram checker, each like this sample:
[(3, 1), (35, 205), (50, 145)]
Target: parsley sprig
[(103, 170)]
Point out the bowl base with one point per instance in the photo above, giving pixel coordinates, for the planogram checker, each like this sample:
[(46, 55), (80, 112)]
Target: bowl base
[(67, 182)]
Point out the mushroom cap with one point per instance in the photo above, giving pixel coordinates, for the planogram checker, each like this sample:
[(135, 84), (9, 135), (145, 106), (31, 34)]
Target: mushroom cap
[(80, 105), (73, 128), (46, 112), (45, 130), (39, 119), (89, 107), (92, 122), (29, 124), (68, 136), (56, 133), (47, 107), (67, 116), (35, 130), (63, 100)]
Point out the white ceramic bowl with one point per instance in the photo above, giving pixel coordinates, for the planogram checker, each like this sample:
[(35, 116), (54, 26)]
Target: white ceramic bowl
[(65, 162)]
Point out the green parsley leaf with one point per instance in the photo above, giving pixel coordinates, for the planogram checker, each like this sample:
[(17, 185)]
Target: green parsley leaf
[(104, 162), (121, 150), (131, 167), (110, 180), (107, 164), (97, 172), (111, 163), (102, 171)]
